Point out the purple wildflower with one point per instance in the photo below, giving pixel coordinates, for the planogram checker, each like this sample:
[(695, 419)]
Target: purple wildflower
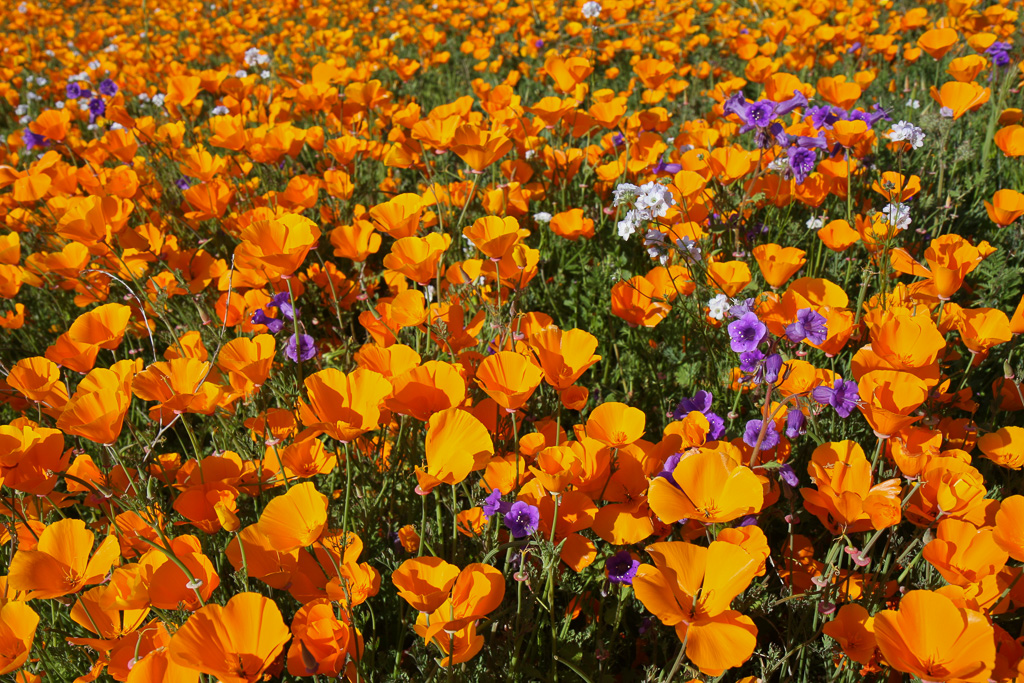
[(796, 424), (108, 88), (742, 308), (621, 567), (717, 425), (183, 184), (746, 333), (282, 301), (809, 325), (522, 519), (843, 396), (748, 520), (33, 140), (802, 162), (300, 347), (753, 430), (260, 317), (797, 101), (759, 114), (73, 91), (750, 359), (664, 167), (493, 504), (772, 366), (97, 108), (1000, 53), (701, 402), (787, 475)]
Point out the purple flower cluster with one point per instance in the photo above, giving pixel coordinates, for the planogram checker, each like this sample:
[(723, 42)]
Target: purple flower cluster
[(809, 325), (97, 105), (622, 567), (999, 52), (522, 519), (746, 333), (843, 396), (701, 403), (299, 346)]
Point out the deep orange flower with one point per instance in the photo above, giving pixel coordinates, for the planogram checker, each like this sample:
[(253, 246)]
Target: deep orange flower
[(18, 624), (425, 582), (97, 409), (960, 98), (280, 244), (563, 356), (494, 236), (236, 643), (62, 561), (323, 643), (345, 406), (417, 257), (854, 629), (710, 486), (103, 326), (1006, 207), (777, 263), (509, 378), (964, 554), (616, 424), (638, 303), (295, 519)]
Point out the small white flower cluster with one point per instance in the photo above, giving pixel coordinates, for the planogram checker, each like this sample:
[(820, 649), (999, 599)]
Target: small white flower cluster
[(907, 132), (110, 48), (219, 110), (94, 64), (74, 78), (816, 222), (255, 56), (718, 306), (542, 217), (23, 8), (779, 164), (654, 242), (897, 215), (591, 10), (689, 249), (650, 201), (914, 104)]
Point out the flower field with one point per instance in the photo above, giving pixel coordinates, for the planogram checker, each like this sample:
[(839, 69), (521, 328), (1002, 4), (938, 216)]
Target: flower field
[(600, 341)]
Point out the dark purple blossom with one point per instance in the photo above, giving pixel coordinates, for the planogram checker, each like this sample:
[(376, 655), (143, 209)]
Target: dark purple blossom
[(33, 140), (618, 139), (809, 325), (701, 402), (772, 366), (300, 347), (260, 317), (494, 505), (73, 91), (742, 308), (825, 116), (802, 162), (622, 567), (748, 520), (796, 424), (663, 167), (749, 360), (183, 183), (717, 425), (746, 333), (753, 430), (669, 467), (522, 519), (787, 475), (97, 108), (759, 114), (108, 88), (843, 396), (1000, 53), (282, 302)]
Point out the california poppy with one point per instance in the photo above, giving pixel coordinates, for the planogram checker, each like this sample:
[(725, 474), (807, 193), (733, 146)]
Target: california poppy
[(295, 519), (18, 624), (706, 485), (509, 378), (96, 410), (345, 406), (62, 561)]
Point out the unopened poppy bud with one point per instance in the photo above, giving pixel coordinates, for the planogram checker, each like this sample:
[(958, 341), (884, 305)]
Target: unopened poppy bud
[(1008, 370)]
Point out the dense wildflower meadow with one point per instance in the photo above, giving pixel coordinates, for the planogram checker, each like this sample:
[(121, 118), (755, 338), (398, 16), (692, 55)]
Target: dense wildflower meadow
[(597, 341)]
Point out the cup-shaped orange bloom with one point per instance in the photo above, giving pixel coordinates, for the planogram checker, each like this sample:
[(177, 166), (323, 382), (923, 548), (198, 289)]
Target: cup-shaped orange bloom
[(707, 485), (616, 424), (38, 379), (854, 630), (18, 624), (1005, 447), (690, 588), (236, 642), (295, 519), (345, 406), (937, 42), (845, 500), (31, 457), (457, 444), (966, 69), (1006, 207), (964, 554), (509, 378), (179, 387), (638, 302), (907, 342), (1010, 140), (425, 582), (97, 409), (982, 328), (933, 639), (477, 592), (280, 244), (730, 277), (557, 467), (951, 258), (322, 642), (399, 216), (567, 73), (563, 356), (837, 235), (1009, 529), (427, 389), (949, 487), (888, 397), (61, 564), (103, 326), (417, 257), (493, 235), (777, 263), (572, 225), (478, 147), (248, 361), (960, 98), (839, 92)]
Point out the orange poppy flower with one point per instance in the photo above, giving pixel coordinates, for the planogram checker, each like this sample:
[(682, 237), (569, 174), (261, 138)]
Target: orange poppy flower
[(778, 264), (572, 225), (52, 123), (729, 277), (982, 328), (837, 235), (248, 361), (1009, 528), (933, 639), (854, 629), (964, 554), (1006, 207), (400, 216), (616, 424), (937, 42), (509, 378), (845, 500), (280, 244), (61, 563), (966, 69), (457, 444), (888, 397), (479, 148), (345, 406), (427, 389), (1005, 447), (425, 582), (295, 519), (97, 409), (1010, 139), (709, 486), (179, 387), (323, 644), (690, 588), (478, 591), (31, 457), (170, 587), (236, 643), (563, 356), (568, 73), (494, 236), (960, 98), (18, 624), (417, 257), (638, 303), (103, 326)]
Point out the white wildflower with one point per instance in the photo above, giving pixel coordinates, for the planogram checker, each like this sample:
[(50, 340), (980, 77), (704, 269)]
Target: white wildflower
[(914, 104), (815, 222), (779, 164), (219, 110), (23, 8), (624, 193), (907, 132), (689, 249), (718, 306), (628, 225), (542, 217), (591, 9), (946, 113), (158, 99), (897, 215), (241, 73)]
